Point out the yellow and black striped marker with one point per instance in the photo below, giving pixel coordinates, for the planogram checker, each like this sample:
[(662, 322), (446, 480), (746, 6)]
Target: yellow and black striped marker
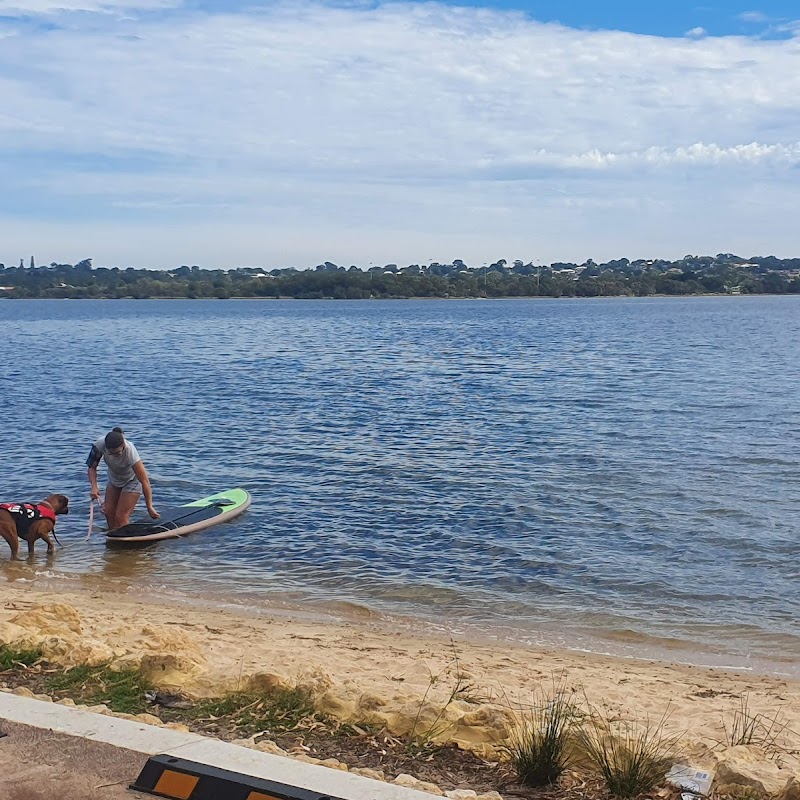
[(178, 779)]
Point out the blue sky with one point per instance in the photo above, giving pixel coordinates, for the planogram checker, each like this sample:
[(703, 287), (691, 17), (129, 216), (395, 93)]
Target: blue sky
[(163, 132), (660, 18)]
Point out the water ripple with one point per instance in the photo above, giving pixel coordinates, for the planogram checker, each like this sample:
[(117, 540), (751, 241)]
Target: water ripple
[(623, 472)]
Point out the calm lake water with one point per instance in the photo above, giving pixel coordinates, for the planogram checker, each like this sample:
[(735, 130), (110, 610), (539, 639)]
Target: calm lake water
[(616, 475)]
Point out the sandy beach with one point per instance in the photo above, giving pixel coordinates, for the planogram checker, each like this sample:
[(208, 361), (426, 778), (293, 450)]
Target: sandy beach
[(365, 671)]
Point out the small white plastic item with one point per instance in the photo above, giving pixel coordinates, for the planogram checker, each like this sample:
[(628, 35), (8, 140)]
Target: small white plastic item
[(694, 781)]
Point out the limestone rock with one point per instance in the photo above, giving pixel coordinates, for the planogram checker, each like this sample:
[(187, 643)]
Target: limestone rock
[(333, 763), (370, 702), (71, 651), (56, 630), (366, 772), (149, 719), (266, 682), (335, 705), (410, 782), (791, 791), (168, 658), (168, 670), (484, 724), (161, 638), (268, 746), (305, 759), (415, 716), (248, 743), (177, 726), (461, 794), (123, 715), (11, 634), (749, 766), (23, 691), (56, 619), (315, 681)]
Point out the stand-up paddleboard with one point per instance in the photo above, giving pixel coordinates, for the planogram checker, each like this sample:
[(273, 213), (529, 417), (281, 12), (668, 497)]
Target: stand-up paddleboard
[(181, 520)]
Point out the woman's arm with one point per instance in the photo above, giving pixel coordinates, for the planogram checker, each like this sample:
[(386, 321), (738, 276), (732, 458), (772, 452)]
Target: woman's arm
[(92, 473), (92, 463), (141, 474)]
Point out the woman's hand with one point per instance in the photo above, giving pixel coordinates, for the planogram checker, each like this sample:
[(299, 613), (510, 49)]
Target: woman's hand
[(95, 495), (152, 512)]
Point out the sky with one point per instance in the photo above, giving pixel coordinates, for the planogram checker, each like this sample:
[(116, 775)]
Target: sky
[(156, 133)]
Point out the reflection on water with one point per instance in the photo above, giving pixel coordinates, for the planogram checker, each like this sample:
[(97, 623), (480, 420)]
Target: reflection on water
[(621, 471), (26, 568), (130, 563)]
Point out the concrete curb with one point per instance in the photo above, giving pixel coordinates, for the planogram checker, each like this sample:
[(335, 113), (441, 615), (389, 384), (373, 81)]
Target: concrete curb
[(150, 740)]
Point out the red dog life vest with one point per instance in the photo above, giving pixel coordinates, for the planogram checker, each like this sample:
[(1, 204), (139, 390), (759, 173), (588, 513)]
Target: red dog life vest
[(25, 514)]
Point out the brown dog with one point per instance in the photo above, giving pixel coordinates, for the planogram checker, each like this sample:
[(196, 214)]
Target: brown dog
[(31, 521)]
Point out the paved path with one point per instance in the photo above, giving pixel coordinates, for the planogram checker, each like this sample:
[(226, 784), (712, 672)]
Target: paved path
[(56, 752), (37, 764)]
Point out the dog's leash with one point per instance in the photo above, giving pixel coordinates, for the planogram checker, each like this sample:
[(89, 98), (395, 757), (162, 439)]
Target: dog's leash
[(92, 501)]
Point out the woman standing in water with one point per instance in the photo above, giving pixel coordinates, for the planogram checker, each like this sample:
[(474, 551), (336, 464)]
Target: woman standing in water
[(127, 478)]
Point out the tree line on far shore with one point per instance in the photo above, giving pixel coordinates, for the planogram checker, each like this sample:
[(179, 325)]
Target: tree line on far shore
[(723, 273)]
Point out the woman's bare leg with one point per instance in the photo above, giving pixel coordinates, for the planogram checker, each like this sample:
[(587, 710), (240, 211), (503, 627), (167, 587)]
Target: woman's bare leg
[(125, 505), (110, 505)]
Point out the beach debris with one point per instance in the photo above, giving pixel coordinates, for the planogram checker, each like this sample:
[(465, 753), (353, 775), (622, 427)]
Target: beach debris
[(695, 782), (167, 699)]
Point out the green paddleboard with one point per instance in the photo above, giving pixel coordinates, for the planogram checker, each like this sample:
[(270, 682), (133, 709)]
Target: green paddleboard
[(182, 520)]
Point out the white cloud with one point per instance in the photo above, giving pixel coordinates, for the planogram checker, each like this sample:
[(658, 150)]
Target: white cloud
[(380, 132), (787, 27), (49, 7), (697, 33), (756, 17)]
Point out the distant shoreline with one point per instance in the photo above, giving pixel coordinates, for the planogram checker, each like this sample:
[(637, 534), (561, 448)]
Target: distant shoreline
[(723, 274), (365, 299)]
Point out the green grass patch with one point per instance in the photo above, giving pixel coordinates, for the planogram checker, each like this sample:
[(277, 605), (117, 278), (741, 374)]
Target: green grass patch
[(540, 745), (122, 691), (749, 727), (15, 659), (632, 757), (255, 712), (426, 730)]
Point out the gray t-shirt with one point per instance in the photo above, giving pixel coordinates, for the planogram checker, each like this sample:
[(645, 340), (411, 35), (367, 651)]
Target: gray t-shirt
[(120, 468)]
